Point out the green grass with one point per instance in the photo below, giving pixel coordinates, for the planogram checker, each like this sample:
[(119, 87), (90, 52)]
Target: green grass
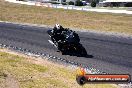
[(106, 22), (31, 74)]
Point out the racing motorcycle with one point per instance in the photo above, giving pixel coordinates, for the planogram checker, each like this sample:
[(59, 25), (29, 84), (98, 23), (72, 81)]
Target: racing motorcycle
[(68, 44)]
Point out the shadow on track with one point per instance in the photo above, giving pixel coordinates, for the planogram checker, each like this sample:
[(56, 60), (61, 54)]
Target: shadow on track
[(79, 52)]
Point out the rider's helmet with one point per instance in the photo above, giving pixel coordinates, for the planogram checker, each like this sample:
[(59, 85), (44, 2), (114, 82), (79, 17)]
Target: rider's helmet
[(57, 26)]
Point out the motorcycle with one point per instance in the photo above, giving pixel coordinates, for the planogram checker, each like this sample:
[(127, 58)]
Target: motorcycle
[(69, 44)]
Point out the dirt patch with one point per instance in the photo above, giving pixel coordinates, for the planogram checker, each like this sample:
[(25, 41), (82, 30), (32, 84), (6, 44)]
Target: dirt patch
[(8, 81), (11, 82)]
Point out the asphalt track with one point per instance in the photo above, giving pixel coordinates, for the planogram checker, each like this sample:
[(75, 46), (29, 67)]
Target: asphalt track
[(111, 54)]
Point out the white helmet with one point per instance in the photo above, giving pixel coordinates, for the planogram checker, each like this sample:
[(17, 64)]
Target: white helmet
[(58, 26)]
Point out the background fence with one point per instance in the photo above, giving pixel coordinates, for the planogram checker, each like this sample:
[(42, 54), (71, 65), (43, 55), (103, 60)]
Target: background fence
[(72, 7)]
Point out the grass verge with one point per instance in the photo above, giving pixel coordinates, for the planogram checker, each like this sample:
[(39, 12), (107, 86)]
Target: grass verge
[(27, 72), (106, 22)]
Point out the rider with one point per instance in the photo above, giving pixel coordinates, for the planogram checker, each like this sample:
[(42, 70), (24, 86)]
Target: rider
[(57, 32), (58, 35)]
